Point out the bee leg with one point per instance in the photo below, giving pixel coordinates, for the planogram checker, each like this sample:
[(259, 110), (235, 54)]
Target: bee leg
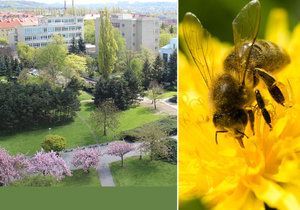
[(251, 119), (270, 82), (216, 135), (261, 106)]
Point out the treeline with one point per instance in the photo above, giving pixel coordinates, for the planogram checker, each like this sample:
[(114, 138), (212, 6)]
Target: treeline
[(123, 90), (9, 67), (25, 106), (163, 72)]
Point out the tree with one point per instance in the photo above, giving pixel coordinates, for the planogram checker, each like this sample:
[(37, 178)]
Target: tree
[(49, 164), (27, 55), (164, 39), (89, 31), (75, 66), (154, 91), (81, 46), (154, 141), (86, 158), (115, 89), (3, 41), (147, 74), (121, 53), (119, 148), (171, 30), (73, 48), (51, 59), (157, 70), (105, 117), (170, 73), (108, 47), (133, 85)]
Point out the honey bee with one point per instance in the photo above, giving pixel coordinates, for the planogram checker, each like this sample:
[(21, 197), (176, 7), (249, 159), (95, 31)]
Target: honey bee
[(233, 93)]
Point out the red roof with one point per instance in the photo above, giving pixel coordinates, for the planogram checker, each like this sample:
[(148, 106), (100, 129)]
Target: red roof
[(13, 23)]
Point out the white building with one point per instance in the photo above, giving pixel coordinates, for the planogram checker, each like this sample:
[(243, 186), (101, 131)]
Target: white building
[(41, 34), (138, 31), (167, 50)]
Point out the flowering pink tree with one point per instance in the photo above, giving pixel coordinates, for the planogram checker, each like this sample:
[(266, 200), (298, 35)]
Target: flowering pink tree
[(49, 164), (119, 148), (12, 167), (86, 158)]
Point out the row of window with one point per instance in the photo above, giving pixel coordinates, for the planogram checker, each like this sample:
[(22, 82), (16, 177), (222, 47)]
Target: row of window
[(70, 20), (46, 37), (35, 30)]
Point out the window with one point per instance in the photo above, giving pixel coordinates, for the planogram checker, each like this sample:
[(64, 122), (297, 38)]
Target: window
[(123, 25), (116, 25), (133, 34), (133, 25), (123, 34), (133, 44), (45, 30), (165, 57)]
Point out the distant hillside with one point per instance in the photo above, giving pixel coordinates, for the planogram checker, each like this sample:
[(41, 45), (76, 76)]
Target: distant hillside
[(17, 4), (137, 6)]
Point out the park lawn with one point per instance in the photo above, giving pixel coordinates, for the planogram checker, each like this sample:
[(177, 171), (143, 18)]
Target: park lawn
[(78, 132), (144, 173), (132, 118), (167, 94), (80, 179), (84, 96)]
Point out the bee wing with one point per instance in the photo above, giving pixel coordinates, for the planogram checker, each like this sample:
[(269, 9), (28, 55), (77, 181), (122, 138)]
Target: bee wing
[(198, 43), (245, 25)]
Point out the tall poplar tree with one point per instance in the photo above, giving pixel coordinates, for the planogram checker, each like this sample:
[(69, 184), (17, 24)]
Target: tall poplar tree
[(108, 47)]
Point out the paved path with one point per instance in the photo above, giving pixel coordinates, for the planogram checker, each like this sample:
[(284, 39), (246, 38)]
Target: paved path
[(162, 105), (105, 177)]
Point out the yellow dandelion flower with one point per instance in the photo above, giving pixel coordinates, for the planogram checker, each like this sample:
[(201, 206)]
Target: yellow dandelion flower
[(267, 170)]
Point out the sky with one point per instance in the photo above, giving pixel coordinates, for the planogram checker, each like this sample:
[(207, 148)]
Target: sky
[(98, 1)]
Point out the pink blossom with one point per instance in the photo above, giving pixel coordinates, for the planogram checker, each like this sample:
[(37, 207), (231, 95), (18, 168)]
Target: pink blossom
[(119, 148), (12, 167), (86, 158), (49, 164)]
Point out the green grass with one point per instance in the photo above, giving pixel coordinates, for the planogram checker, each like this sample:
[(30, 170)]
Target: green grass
[(132, 118), (167, 94), (84, 96), (78, 132), (144, 173), (81, 179)]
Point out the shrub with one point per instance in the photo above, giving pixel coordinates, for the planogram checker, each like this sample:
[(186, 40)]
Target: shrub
[(12, 167), (168, 125), (86, 158), (54, 143), (172, 152), (35, 181), (49, 164)]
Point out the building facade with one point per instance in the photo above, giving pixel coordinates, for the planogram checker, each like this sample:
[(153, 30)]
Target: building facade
[(167, 50), (139, 32), (41, 34)]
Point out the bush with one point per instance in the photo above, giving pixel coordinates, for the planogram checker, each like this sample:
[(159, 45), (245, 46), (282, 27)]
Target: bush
[(168, 125), (171, 156), (54, 143), (86, 158), (35, 181)]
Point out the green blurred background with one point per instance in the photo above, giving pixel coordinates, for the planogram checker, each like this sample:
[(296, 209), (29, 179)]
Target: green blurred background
[(217, 15)]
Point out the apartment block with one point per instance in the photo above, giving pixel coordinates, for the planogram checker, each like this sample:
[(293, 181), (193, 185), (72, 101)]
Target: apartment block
[(138, 31), (9, 24), (41, 34)]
